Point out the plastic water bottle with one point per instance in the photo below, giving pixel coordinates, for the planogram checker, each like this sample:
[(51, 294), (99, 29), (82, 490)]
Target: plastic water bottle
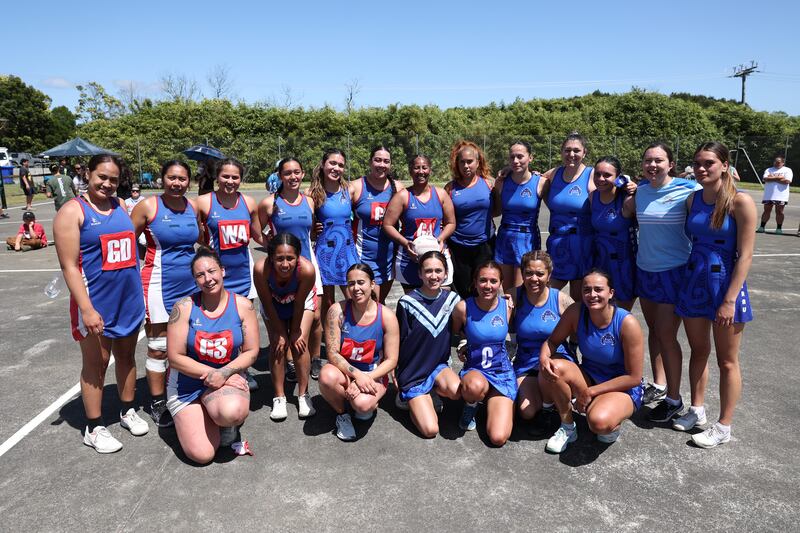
[(53, 289)]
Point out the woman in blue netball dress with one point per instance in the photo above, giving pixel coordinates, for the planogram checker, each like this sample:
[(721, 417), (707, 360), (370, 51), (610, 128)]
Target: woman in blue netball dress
[(713, 295), (97, 252), (487, 374), (570, 241), (607, 386), (371, 195), (614, 224), (291, 211), (170, 227), (537, 310), (362, 339), (212, 339), (335, 247), (471, 244), (423, 366), (285, 283), (517, 197), (229, 222), (423, 211)]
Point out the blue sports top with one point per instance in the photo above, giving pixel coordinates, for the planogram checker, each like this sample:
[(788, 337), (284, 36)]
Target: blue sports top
[(422, 218), (520, 202), (472, 206), (229, 236), (295, 219), (608, 221), (371, 242), (533, 326), (603, 356), (569, 203), (337, 209), (362, 344), (486, 336), (698, 225), (661, 214)]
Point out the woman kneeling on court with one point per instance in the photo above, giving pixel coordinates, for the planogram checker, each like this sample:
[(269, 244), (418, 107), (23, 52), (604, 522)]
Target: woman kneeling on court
[(362, 338), (425, 317), (607, 386), (487, 374), (212, 338)]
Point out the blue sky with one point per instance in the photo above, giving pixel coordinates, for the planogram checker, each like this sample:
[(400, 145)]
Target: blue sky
[(410, 52)]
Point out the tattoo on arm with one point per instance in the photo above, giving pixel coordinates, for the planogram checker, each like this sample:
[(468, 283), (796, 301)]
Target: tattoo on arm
[(175, 315), (244, 332), (351, 369)]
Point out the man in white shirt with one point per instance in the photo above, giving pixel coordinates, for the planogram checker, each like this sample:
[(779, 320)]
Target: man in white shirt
[(777, 179)]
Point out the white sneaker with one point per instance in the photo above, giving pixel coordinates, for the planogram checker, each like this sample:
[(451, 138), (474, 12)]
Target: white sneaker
[(400, 403), (133, 423), (689, 420), (563, 436), (304, 406), (278, 408), (609, 438), (711, 437), (344, 428), (101, 440)]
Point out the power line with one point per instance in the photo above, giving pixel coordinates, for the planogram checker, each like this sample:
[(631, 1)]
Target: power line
[(742, 71)]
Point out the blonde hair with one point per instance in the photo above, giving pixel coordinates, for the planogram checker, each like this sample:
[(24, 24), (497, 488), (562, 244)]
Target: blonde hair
[(484, 170)]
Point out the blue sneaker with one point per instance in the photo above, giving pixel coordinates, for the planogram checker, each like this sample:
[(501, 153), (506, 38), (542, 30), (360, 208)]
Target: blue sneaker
[(467, 421)]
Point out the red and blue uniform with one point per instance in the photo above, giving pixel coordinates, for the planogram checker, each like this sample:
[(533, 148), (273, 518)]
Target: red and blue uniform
[(283, 296), (167, 273), (486, 333), (335, 248), (362, 344), (710, 266), (297, 220), (419, 218), (519, 227), (374, 247), (110, 267), (615, 245), (229, 236), (570, 241), (212, 341), (533, 326)]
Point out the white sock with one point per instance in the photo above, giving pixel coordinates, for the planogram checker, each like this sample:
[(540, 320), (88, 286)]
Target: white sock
[(546, 405), (700, 410), (659, 387), (568, 427), (468, 404), (722, 427)]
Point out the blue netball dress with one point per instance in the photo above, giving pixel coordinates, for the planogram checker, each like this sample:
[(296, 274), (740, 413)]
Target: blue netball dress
[(472, 206), (110, 268), (602, 351), (362, 345), (486, 347), (519, 227), (167, 272), (229, 236), (297, 220), (615, 245), (373, 245), (570, 240), (425, 325), (215, 342), (335, 248), (283, 296), (419, 218), (710, 266), (533, 326)]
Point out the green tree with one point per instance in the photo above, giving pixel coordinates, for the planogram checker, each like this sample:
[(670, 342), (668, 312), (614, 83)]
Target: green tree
[(94, 103), (63, 126), (24, 116)]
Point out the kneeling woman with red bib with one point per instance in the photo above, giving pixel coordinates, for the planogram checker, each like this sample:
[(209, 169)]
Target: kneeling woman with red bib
[(212, 338), (363, 340)]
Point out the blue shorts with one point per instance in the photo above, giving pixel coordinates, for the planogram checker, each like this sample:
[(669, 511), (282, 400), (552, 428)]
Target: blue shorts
[(503, 381), (514, 241), (426, 386), (660, 287), (636, 393)]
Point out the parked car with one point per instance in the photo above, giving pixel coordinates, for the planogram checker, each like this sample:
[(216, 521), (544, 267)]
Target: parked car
[(5, 160)]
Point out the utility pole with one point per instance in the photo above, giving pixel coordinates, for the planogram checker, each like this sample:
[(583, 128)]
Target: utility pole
[(742, 71)]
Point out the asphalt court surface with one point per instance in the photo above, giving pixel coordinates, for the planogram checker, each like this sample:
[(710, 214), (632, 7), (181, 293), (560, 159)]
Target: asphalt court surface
[(303, 478)]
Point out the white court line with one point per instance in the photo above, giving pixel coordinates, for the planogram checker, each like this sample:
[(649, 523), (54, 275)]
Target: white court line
[(32, 205), (18, 222), (31, 270), (52, 408), (776, 255)]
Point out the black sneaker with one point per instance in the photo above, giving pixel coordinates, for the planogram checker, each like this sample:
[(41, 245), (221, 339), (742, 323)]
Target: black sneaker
[(664, 412), (291, 373), (545, 423), (160, 414), (653, 394)]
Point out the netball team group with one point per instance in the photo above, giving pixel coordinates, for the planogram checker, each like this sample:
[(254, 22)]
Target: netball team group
[(683, 248)]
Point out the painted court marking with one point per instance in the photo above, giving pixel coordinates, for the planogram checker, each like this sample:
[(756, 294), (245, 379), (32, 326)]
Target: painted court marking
[(30, 270), (52, 408)]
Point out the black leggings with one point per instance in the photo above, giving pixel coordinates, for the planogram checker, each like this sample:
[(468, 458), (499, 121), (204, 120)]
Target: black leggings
[(465, 259)]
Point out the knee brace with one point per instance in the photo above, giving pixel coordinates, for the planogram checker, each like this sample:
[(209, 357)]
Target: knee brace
[(156, 365), (158, 344)]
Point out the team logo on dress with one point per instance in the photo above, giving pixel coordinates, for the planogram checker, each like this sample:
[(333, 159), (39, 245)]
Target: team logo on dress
[(549, 316), (342, 199), (608, 340), (610, 214), (456, 193), (497, 321), (213, 215), (369, 196), (412, 206), (345, 328), (166, 218), (197, 323), (281, 211), (526, 193), (575, 190), (95, 222)]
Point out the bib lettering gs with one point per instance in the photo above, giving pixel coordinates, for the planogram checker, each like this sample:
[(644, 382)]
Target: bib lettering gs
[(214, 347), (118, 250), (233, 234)]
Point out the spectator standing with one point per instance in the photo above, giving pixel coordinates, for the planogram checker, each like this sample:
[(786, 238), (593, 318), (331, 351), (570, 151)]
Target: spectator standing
[(777, 179), (59, 187), (79, 179), (3, 204), (135, 198), (26, 183)]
